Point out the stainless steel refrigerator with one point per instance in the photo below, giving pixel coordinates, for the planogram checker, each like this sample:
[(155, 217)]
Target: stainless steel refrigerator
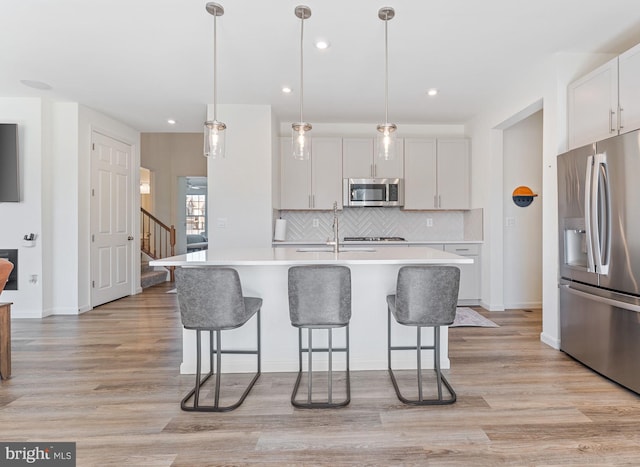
[(599, 238)]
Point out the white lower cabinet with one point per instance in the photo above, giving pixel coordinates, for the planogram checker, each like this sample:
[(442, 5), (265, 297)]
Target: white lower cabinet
[(469, 273)]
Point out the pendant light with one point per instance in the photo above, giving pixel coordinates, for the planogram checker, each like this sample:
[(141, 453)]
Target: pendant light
[(213, 129), (386, 139), (300, 138)]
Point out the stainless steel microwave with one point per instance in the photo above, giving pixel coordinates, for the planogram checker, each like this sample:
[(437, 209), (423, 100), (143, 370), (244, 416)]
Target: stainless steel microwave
[(358, 192)]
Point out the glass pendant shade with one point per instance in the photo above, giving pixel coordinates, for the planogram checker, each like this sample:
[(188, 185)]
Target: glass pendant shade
[(386, 141), (301, 140), (214, 139)]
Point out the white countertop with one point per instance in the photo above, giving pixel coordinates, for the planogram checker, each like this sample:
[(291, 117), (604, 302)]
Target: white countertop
[(292, 256)]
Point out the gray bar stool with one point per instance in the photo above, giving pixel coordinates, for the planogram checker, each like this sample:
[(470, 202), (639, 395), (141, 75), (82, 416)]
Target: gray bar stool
[(211, 300), (320, 298), (426, 296)]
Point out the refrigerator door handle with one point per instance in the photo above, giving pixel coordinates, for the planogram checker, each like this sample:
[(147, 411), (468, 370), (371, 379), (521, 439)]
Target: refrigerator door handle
[(588, 187), (605, 300), (600, 214)]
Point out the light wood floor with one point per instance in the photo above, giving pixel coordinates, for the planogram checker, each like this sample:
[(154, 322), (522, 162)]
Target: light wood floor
[(109, 381)]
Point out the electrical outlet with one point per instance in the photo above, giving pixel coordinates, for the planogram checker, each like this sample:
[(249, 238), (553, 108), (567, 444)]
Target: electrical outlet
[(221, 222), (429, 222), (509, 221), (316, 222)]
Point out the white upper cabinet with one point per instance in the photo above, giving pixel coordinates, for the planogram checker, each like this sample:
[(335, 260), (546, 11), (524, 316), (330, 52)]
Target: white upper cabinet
[(606, 101), (326, 170), (359, 161), (629, 89), (437, 173), (420, 186), (295, 189), (453, 174), (593, 105), (315, 183)]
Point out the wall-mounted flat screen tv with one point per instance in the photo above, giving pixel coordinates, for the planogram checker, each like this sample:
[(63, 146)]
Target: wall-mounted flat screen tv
[(9, 186)]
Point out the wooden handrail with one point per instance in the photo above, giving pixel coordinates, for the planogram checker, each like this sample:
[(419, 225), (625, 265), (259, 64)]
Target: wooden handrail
[(155, 219), (157, 239)]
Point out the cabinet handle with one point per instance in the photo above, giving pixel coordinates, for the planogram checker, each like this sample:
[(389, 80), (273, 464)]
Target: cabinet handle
[(620, 125), (375, 170), (313, 201), (611, 128)]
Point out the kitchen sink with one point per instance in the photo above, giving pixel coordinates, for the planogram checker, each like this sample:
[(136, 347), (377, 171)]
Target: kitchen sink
[(328, 249)]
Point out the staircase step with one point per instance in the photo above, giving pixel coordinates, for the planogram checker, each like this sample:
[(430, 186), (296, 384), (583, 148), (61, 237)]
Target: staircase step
[(153, 277), (144, 267)]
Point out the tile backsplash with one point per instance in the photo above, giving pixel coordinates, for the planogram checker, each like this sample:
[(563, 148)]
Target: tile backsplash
[(314, 226)]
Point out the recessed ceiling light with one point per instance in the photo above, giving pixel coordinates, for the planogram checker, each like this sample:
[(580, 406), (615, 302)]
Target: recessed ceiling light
[(322, 44), (286, 89), (432, 92), (171, 121), (36, 84)]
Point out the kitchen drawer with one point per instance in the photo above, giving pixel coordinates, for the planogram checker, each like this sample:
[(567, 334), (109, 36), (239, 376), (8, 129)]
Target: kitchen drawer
[(463, 249)]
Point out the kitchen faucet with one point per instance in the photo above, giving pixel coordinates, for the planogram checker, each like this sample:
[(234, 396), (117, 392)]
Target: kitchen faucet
[(336, 237)]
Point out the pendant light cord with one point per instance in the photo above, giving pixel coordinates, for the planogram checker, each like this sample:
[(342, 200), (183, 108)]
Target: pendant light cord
[(215, 68), (301, 63), (386, 70)]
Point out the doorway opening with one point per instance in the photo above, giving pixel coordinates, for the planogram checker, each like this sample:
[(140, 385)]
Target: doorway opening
[(522, 237)]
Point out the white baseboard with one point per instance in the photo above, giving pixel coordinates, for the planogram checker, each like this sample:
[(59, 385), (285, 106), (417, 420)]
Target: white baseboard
[(490, 307), (523, 305), (550, 341)]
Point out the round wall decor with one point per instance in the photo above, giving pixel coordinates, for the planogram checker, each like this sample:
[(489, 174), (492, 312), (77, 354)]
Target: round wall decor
[(523, 196)]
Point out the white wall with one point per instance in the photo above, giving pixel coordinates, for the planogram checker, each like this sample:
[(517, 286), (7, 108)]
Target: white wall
[(522, 147), (547, 83), (55, 150), (62, 212), (240, 211), (18, 219)]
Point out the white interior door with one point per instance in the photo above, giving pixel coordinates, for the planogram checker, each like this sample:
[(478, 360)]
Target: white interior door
[(111, 207)]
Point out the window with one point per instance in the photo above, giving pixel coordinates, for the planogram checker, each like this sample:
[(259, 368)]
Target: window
[(197, 214)]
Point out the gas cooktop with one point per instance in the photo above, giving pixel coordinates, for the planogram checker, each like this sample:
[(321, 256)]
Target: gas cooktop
[(374, 239)]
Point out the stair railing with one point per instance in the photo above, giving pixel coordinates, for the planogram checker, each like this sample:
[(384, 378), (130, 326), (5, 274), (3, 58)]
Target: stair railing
[(157, 239)]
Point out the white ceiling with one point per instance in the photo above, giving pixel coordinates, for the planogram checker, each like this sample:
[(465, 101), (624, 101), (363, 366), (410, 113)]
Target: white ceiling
[(144, 61)]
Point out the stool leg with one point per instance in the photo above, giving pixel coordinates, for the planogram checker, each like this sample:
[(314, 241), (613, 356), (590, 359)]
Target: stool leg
[(330, 349), (419, 350), (441, 380), (348, 372), (330, 375), (436, 359), (196, 397), (217, 348), (309, 366), (218, 372)]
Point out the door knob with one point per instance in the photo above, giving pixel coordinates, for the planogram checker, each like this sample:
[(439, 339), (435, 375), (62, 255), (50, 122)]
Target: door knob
[(129, 238)]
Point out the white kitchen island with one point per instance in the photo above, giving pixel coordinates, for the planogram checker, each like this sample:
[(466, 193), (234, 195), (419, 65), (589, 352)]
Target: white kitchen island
[(263, 272)]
